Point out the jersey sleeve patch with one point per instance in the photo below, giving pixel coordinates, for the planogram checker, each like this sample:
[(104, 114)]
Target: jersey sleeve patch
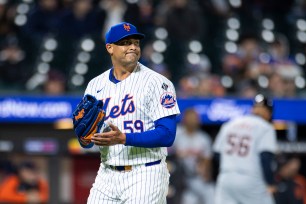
[(164, 86), (167, 100)]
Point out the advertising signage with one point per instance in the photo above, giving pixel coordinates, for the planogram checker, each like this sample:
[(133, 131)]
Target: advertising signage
[(43, 109)]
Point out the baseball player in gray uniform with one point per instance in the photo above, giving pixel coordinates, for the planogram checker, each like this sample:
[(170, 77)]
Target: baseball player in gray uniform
[(141, 110), (245, 147)]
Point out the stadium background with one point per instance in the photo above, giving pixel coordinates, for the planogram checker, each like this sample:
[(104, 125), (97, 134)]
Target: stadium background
[(225, 49)]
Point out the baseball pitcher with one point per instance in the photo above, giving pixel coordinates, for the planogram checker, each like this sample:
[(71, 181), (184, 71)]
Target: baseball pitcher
[(139, 124), (245, 147)]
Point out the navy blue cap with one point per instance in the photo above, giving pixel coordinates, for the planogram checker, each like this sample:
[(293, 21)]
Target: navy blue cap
[(120, 31), (262, 100)]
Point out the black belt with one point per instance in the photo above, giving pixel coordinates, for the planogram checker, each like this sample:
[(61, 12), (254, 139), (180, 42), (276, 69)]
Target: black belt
[(129, 167)]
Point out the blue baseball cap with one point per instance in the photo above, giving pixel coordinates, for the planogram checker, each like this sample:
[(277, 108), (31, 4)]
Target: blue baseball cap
[(120, 31)]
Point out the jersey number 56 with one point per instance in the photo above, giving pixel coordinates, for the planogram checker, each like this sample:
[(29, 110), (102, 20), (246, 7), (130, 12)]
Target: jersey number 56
[(238, 145)]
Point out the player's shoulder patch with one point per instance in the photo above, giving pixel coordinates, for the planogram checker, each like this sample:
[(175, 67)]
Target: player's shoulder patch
[(164, 86), (168, 100)]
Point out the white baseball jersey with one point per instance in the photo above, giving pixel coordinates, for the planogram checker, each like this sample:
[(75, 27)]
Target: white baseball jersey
[(240, 143), (133, 105), (196, 144)]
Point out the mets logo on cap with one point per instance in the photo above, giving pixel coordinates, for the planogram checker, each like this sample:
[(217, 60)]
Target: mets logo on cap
[(126, 27), (167, 100)]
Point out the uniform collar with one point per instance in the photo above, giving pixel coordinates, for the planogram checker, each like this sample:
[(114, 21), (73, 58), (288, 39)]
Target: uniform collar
[(112, 78)]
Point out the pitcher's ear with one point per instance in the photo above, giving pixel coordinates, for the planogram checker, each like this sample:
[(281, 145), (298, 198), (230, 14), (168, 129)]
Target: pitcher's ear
[(109, 48)]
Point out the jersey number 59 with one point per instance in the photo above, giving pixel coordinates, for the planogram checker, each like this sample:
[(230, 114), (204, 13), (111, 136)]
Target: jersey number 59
[(133, 126)]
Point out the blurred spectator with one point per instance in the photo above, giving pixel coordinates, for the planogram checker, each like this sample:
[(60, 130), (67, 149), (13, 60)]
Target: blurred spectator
[(284, 68), (248, 89), (182, 27), (55, 83), (177, 182), (258, 68), (132, 13), (210, 86), (139, 13), (161, 10), (248, 48), (7, 14), (279, 49), (193, 148), (146, 54), (162, 69), (181, 22), (276, 85), (248, 52), (13, 69), (145, 17), (43, 19), (216, 7), (232, 65), (264, 67), (201, 190), (25, 187), (290, 88), (81, 20), (282, 85), (298, 9), (202, 66), (242, 66), (205, 86), (291, 185), (255, 56), (6, 169), (66, 4), (115, 10), (146, 59), (201, 85), (187, 86)]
